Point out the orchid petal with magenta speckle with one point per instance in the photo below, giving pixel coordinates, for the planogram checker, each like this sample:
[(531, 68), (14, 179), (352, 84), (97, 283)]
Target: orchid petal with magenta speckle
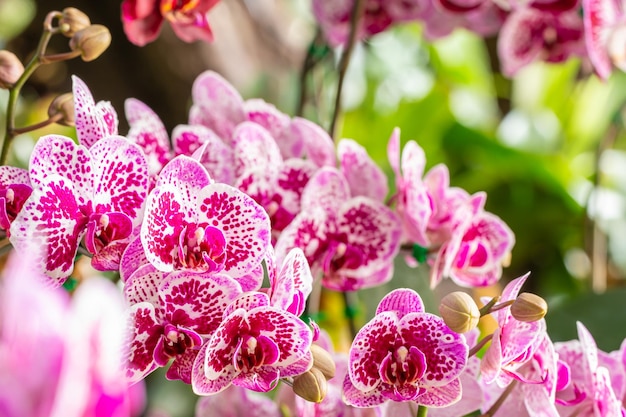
[(93, 121), (195, 224), (253, 348), (404, 354)]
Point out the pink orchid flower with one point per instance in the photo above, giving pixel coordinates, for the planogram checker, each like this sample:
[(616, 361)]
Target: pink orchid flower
[(587, 391), (534, 34), (218, 106), (255, 345), (62, 357), (513, 343), (405, 354), (170, 317), (142, 19), (478, 248), (14, 191), (605, 35), (291, 284), (261, 172), (426, 204), (95, 193), (196, 224), (533, 398), (350, 241)]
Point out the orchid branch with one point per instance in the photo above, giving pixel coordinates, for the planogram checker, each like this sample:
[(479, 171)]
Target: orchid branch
[(355, 18)]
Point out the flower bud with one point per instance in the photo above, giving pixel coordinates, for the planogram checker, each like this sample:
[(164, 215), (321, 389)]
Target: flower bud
[(322, 361), (91, 41), (459, 312), (64, 105), (72, 20), (11, 69), (311, 385), (529, 307)]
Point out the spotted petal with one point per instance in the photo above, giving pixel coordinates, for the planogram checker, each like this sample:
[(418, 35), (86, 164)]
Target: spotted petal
[(92, 122), (599, 18), (446, 351), (148, 132), (203, 144), (317, 145), (245, 225), (51, 219), (143, 286), (401, 301), (196, 300), (217, 105), (441, 396), (327, 189), (361, 172), (121, 177), (144, 334)]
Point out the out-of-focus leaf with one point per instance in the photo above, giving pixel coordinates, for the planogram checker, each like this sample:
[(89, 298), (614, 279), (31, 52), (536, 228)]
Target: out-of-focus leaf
[(15, 15), (602, 314)]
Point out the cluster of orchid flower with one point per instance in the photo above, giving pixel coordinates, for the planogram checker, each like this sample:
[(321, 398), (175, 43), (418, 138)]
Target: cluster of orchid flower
[(193, 224)]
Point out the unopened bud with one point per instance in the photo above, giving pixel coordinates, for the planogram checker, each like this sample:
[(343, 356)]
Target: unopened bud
[(311, 385), (73, 20), (459, 312), (64, 105), (11, 69), (529, 307), (91, 41), (322, 361)]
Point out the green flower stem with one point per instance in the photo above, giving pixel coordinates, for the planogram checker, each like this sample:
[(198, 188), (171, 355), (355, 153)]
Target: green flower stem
[(422, 411), (57, 117), (14, 92), (500, 306), (355, 18), (487, 307)]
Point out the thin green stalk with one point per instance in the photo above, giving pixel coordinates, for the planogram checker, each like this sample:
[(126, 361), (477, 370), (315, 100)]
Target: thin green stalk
[(422, 411), (355, 18)]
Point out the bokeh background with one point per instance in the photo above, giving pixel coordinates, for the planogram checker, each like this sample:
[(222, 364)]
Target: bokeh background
[(548, 147)]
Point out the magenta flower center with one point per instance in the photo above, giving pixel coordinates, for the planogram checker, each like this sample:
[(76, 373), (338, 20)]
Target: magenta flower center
[(403, 366), (253, 352), (175, 341), (103, 229), (202, 248)]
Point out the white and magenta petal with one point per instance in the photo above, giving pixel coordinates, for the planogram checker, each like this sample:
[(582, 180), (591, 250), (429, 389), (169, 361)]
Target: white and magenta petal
[(317, 145), (197, 301), (217, 105), (402, 301), (92, 122), (245, 225), (145, 332), (327, 189), (363, 175)]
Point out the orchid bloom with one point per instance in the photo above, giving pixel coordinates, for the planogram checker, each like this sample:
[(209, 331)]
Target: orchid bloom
[(14, 191), (351, 242), (478, 248), (405, 354), (196, 224), (291, 284), (363, 175), (170, 316), (95, 193), (605, 35), (62, 357), (586, 389), (513, 343), (261, 172), (218, 106), (142, 19), (534, 34), (426, 204), (255, 345)]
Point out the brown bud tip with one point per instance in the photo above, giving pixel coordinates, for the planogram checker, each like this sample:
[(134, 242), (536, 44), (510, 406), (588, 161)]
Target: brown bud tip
[(322, 361), (63, 105), (529, 307), (459, 311), (91, 41), (311, 385), (72, 20), (11, 69)]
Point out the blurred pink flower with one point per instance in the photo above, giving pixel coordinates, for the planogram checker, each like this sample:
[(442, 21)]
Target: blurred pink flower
[(62, 357), (142, 19)]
